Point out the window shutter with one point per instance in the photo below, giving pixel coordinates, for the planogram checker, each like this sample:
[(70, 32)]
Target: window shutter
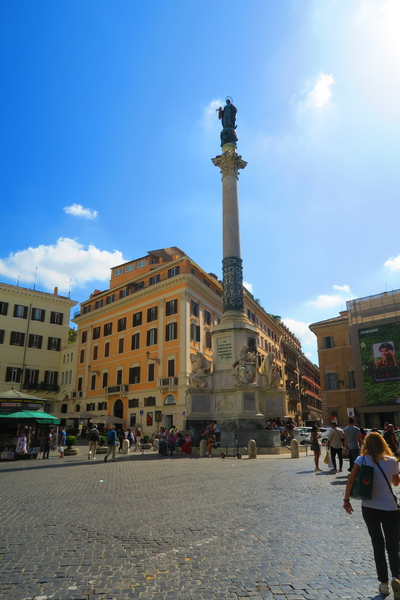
[(327, 381), (197, 333), (55, 378), (175, 328), (171, 368), (9, 374)]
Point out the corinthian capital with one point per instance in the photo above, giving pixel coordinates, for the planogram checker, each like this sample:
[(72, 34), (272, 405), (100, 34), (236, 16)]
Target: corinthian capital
[(229, 163)]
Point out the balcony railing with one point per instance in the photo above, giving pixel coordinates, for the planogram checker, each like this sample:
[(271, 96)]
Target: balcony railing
[(168, 381), (116, 389)]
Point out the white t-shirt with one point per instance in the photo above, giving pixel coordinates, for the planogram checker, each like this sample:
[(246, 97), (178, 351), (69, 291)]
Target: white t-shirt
[(382, 497), (335, 437)]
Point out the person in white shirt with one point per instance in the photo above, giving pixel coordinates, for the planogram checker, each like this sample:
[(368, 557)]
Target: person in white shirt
[(335, 439), (380, 513)]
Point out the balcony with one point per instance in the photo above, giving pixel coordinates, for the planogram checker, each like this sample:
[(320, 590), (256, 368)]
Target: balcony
[(116, 389), (30, 386), (168, 382), (77, 394), (49, 387)]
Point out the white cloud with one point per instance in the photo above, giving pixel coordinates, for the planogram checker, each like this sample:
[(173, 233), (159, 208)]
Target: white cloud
[(328, 301), (341, 288), (58, 263), (321, 93), (308, 354), (301, 330), (210, 117), (78, 211), (393, 263), (248, 286)]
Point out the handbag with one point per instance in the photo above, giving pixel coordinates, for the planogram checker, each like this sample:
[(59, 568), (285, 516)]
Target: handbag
[(390, 488), (362, 487), (4, 453), (10, 455), (326, 459)]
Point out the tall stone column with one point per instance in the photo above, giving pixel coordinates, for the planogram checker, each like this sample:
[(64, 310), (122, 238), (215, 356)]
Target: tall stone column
[(230, 162)]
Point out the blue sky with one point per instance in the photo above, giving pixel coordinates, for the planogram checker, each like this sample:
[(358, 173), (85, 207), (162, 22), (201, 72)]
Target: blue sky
[(108, 127)]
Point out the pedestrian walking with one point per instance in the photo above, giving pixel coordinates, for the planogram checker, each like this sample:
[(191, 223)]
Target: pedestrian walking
[(121, 437), (315, 446), (111, 443), (335, 444), (138, 439), (380, 513), (62, 441), (210, 443), (390, 439), (94, 439), (47, 444), (352, 440)]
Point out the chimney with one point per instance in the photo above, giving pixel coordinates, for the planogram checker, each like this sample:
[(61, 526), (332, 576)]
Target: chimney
[(56, 291)]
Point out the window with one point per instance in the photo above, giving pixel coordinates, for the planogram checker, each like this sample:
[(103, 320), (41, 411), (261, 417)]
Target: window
[(133, 403), (152, 337), (110, 299), (171, 332), (82, 356), (31, 376), (119, 377), (139, 285), (118, 272), (95, 352), (136, 341), (50, 378), (150, 374), (17, 338), (98, 304), (91, 406), (134, 375), (13, 374), (171, 367), (86, 309), (1, 336), (170, 399), (133, 420), (327, 342), (154, 279), (107, 329), (152, 314), (149, 418), (206, 282), (208, 339), (38, 314), (84, 337), (20, 311), (106, 349), (3, 308), (80, 384), (96, 333), (123, 293), (93, 382), (150, 401), (129, 268), (171, 307), (137, 319), (173, 272), (56, 318), (207, 317), (120, 345), (54, 343), (35, 341), (331, 381), (102, 406), (140, 264), (194, 308), (194, 332), (121, 324), (352, 381), (105, 380)]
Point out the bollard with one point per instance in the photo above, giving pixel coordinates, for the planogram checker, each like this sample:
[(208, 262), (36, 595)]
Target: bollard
[(155, 445), (125, 447), (203, 448), (294, 448), (252, 449)]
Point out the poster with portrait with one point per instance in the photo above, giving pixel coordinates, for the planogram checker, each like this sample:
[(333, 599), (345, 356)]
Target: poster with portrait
[(380, 355)]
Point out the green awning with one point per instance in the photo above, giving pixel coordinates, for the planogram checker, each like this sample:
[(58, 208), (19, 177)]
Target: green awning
[(37, 415)]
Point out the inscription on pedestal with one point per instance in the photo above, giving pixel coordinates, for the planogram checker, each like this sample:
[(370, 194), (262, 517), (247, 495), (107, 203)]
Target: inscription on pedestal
[(225, 350), (201, 404), (223, 380), (249, 401)]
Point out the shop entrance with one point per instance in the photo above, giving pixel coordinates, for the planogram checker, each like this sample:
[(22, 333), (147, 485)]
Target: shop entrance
[(118, 409), (168, 421)]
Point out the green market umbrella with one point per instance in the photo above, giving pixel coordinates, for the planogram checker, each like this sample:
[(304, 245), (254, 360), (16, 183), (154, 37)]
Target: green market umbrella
[(36, 415)]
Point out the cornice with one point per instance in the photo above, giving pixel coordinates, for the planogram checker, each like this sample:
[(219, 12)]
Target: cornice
[(19, 291)]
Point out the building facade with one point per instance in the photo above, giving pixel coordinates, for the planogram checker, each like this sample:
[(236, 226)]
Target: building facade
[(358, 359), (33, 327), (136, 339)]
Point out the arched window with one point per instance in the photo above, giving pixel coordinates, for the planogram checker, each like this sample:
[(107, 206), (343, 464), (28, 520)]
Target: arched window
[(170, 399), (70, 377), (118, 409), (78, 408), (64, 408), (62, 378)]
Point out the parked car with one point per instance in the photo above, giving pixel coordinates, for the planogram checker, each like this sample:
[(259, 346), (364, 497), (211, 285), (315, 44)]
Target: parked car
[(305, 435)]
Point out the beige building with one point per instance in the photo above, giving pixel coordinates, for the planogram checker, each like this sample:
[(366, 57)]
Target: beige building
[(33, 328), (136, 341), (359, 355)]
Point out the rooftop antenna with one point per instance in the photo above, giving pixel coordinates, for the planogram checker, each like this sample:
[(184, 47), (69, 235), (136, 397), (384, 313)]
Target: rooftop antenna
[(69, 287), (18, 280), (35, 274)]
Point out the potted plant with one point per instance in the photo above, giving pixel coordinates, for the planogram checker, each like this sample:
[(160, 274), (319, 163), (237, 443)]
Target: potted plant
[(71, 441), (102, 446)]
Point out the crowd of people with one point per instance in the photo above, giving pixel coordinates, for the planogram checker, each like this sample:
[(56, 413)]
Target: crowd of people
[(284, 428)]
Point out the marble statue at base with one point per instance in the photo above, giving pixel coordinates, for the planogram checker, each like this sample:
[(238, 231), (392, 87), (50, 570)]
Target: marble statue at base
[(270, 372), (200, 370), (244, 368)]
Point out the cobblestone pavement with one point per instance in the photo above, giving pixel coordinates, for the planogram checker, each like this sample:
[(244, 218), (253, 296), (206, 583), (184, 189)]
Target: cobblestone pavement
[(185, 528)]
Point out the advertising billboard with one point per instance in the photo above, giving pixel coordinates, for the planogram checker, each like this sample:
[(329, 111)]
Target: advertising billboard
[(380, 356)]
